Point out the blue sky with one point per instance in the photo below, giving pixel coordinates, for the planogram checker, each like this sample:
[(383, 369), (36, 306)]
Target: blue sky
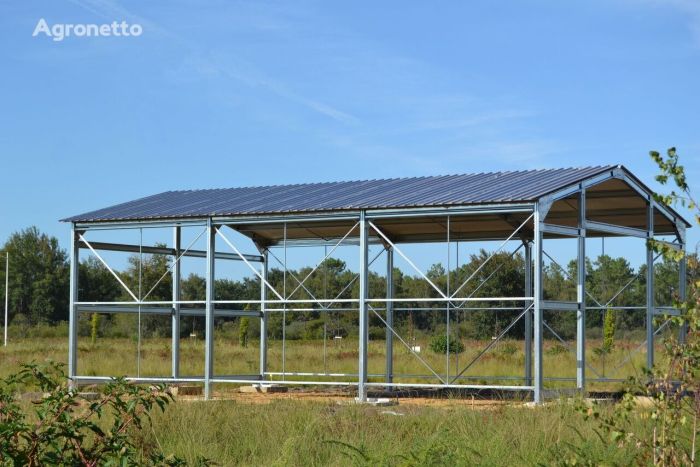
[(219, 94)]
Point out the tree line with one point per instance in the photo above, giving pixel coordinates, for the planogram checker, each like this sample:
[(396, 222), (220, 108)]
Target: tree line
[(39, 287)]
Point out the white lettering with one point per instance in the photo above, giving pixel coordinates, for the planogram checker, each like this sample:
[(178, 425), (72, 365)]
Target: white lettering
[(136, 29), (60, 31), (41, 26), (92, 30)]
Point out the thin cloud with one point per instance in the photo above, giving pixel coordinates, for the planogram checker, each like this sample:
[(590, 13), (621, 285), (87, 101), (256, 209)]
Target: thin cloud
[(690, 8), (253, 77)]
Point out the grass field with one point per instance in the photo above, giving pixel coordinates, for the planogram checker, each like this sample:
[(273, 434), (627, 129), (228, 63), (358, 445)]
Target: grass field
[(503, 362), (293, 431)]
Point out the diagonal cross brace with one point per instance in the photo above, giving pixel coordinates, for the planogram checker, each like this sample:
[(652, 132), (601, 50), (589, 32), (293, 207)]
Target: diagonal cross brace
[(568, 347), (407, 346), (500, 247), (500, 266), (568, 276), (381, 234), (257, 273), (173, 264), (116, 276), (324, 258), (327, 303), (640, 346), (492, 343)]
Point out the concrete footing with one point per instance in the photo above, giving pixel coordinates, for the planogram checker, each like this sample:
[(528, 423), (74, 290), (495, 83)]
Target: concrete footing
[(377, 401)]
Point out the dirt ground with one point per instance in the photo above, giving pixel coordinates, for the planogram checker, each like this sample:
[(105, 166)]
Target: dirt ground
[(404, 399)]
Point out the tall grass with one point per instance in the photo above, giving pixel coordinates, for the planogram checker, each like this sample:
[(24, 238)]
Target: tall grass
[(303, 433), (297, 432)]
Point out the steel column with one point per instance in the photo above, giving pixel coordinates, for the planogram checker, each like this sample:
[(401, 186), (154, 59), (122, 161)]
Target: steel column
[(447, 308), (363, 335), (650, 287), (263, 317), (682, 285), (389, 315), (537, 309), (209, 307), (284, 310), (528, 315), (72, 311), (581, 295), (176, 275)]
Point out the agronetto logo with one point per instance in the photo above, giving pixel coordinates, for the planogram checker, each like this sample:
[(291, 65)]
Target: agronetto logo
[(60, 31)]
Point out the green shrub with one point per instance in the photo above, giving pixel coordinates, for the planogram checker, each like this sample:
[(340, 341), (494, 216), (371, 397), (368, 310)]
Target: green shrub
[(66, 429), (243, 332), (94, 326), (507, 349), (377, 333), (294, 331), (609, 330), (438, 344), (556, 349), (313, 329), (672, 390)]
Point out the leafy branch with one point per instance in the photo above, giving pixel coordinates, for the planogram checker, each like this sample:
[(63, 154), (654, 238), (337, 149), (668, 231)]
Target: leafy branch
[(64, 428)]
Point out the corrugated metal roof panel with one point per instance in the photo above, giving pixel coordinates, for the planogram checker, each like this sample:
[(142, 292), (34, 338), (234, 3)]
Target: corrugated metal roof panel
[(430, 191)]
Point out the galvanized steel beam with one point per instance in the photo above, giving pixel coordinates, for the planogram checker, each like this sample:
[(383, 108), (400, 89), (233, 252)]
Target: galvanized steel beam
[(537, 302), (389, 315), (615, 229), (72, 311), (140, 224), (559, 305), (159, 310), (155, 250), (209, 319), (363, 336), (177, 236), (465, 210), (264, 316), (581, 294), (560, 230), (528, 314)]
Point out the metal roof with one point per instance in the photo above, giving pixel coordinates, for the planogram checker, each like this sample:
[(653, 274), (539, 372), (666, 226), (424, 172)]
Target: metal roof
[(429, 191)]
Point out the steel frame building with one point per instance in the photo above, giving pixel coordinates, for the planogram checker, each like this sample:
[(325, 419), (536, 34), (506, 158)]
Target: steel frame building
[(532, 206)]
